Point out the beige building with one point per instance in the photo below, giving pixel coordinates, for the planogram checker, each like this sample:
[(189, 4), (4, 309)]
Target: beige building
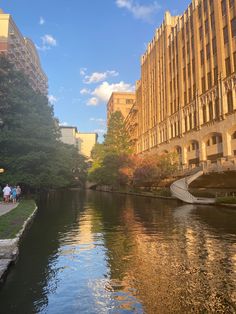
[(186, 97), (22, 53), (84, 142), (120, 101)]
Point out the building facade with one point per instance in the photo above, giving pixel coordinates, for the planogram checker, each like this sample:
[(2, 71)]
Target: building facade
[(22, 53), (84, 142), (120, 101), (186, 97)]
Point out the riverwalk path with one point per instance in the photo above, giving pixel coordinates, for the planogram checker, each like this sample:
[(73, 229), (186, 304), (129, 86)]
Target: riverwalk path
[(5, 208)]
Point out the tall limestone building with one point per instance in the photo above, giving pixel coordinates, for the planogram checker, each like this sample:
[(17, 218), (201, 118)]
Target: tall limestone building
[(22, 53), (186, 97)]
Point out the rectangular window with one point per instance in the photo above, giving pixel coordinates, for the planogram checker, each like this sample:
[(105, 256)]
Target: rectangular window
[(213, 22), (235, 61), (225, 33), (194, 119), (189, 94), (189, 72), (217, 109), (203, 84), (200, 12), (204, 114), (215, 75), (190, 122), (227, 66), (183, 52), (233, 27), (214, 140), (231, 3), (186, 124), (202, 56), (184, 75), (209, 81), (214, 46), (206, 27), (230, 102), (210, 111), (223, 7), (208, 51), (193, 68), (200, 33), (185, 98)]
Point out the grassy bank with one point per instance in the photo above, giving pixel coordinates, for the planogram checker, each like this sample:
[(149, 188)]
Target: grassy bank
[(226, 200), (12, 222)]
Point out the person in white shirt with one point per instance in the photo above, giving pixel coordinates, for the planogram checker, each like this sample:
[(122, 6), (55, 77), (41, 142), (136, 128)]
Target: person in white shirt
[(6, 193)]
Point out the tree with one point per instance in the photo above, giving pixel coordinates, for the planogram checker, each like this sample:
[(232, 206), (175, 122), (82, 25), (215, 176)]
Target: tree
[(30, 150)]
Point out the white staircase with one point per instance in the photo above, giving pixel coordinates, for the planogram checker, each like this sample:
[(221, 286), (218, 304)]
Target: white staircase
[(179, 189)]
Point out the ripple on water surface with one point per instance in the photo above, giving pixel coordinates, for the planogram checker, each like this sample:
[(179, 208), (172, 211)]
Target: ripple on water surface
[(104, 253)]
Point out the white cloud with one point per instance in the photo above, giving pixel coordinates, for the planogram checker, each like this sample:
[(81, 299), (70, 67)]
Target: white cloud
[(52, 99), (101, 122), (85, 91), (96, 77), (41, 20), (82, 71), (64, 124), (100, 131), (49, 40), (93, 101), (103, 92), (139, 11)]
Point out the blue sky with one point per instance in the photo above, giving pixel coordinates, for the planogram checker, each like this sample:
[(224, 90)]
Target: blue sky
[(89, 48)]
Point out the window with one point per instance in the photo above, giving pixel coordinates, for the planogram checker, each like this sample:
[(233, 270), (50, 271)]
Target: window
[(189, 72), (225, 33), (217, 109), (206, 27), (227, 66), (200, 12), (210, 111), (214, 45), (190, 122), (189, 94), (184, 74), (204, 114), (233, 27), (202, 56), (193, 67), (214, 140), (129, 101), (185, 124), (208, 143), (215, 75), (185, 98), (231, 3), (208, 51), (235, 61), (203, 84), (209, 81), (234, 136), (223, 7), (194, 119), (200, 33), (183, 52), (213, 22), (230, 102)]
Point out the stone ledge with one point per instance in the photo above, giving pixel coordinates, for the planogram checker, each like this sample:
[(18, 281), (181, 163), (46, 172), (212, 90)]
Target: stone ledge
[(9, 248)]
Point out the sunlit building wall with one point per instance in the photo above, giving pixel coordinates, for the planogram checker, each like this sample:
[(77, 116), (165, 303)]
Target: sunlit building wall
[(120, 101), (22, 53), (188, 85)]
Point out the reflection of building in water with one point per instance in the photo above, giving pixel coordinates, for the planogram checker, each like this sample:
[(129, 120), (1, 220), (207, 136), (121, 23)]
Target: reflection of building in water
[(173, 263)]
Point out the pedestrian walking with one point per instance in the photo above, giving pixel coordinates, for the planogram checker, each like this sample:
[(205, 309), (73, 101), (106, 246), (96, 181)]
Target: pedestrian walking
[(14, 194), (18, 193), (6, 193)]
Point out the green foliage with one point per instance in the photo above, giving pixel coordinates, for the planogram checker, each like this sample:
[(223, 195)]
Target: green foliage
[(12, 222), (30, 150), (226, 200), (117, 140)]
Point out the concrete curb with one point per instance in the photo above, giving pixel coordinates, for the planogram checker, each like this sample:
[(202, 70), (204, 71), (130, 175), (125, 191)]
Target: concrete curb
[(9, 248)]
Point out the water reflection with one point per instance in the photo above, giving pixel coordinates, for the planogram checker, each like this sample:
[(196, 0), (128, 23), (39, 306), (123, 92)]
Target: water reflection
[(107, 253)]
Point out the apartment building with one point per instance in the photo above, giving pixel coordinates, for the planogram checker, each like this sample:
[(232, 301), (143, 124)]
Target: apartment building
[(120, 101), (186, 97), (84, 142), (22, 53)]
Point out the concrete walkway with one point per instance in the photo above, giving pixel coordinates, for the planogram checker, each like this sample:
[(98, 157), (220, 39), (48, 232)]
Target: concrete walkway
[(5, 208)]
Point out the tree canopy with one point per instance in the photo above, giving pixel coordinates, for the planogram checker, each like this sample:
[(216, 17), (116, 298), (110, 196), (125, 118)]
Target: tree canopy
[(30, 150)]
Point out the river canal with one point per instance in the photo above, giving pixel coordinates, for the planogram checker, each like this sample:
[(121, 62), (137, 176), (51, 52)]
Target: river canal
[(108, 253)]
